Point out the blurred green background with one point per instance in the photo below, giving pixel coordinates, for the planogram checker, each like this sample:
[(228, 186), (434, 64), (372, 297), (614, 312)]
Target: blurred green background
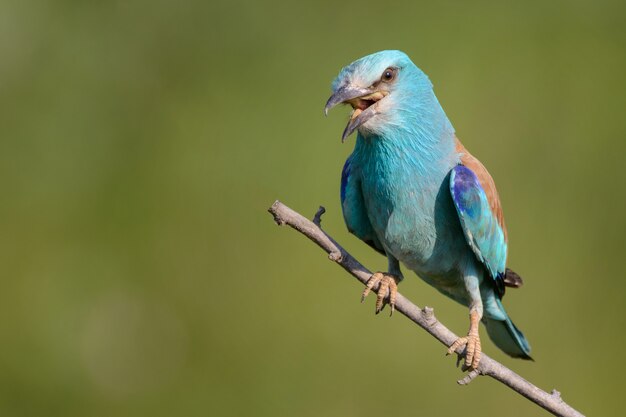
[(143, 141)]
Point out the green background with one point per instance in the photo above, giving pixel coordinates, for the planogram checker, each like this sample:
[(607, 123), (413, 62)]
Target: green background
[(143, 141)]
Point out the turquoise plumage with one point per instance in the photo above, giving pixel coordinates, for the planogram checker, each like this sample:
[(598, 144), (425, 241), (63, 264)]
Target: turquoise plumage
[(413, 192)]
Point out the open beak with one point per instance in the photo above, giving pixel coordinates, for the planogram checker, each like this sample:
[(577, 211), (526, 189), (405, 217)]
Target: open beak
[(363, 102)]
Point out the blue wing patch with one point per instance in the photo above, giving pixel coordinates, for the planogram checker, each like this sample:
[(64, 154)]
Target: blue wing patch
[(480, 226)]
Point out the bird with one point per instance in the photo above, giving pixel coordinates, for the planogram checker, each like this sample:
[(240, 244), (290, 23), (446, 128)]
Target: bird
[(414, 193)]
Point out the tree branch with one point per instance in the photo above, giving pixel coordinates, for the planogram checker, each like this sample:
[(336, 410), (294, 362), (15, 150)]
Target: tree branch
[(425, 317)]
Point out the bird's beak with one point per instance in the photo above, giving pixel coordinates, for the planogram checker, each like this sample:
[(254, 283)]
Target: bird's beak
[(362, 101)]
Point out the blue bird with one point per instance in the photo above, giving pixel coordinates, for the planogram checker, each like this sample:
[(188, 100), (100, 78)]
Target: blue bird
[(413, 192)]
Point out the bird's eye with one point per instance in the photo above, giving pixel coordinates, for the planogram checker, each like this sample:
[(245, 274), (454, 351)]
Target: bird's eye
[(388, 75)]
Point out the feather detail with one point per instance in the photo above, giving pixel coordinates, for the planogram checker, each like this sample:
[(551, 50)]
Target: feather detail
[(480, 226), (512, 279), (486, 182), (353, 207)]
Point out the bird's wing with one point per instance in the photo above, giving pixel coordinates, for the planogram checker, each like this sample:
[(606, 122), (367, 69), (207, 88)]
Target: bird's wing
[(481, 217), (353, 207)]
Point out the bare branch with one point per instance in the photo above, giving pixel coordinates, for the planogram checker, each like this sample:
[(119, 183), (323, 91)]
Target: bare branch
[(425, 318), (469, 377)]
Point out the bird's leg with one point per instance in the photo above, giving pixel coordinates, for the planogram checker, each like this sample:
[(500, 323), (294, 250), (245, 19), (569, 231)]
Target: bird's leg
[(471, 343), (472, 340), (388, 286)]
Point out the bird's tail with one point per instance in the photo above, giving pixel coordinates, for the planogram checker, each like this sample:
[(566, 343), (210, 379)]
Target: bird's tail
[(507, 337)]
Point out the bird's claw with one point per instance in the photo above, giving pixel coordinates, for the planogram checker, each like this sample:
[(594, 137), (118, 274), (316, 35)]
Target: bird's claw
[(472, 350), (388, 289)]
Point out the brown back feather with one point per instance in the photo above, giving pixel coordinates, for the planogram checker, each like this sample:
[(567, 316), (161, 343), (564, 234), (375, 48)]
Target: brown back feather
[(486, 182)]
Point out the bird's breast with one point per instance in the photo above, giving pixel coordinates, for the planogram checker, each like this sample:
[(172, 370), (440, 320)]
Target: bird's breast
[(414, 218)]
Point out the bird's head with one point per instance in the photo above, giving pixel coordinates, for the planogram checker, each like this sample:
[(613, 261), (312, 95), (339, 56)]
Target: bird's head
[(380, 87)]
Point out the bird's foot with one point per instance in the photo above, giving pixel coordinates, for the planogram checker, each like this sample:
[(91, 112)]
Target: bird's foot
[(472, 349), (386, 292)]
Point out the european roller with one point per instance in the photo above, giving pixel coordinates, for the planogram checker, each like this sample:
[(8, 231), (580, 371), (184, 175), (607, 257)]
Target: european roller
[(413, 192)]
